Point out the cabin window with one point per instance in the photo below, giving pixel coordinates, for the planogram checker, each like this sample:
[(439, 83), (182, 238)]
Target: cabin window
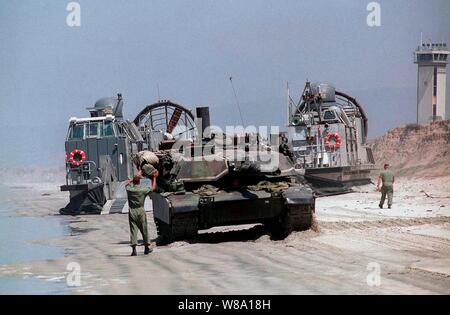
[(77, 132), (329, 115), (108, 130), (93, 129)]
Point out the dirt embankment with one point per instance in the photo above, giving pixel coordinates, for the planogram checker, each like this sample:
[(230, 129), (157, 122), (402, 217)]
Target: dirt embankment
[(416, 150)]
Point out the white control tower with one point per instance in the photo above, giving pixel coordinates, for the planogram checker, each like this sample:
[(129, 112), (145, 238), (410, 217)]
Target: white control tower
[(432, 61)]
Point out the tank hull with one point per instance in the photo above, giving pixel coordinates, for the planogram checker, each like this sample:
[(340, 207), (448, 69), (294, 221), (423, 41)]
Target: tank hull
[(180, 217)]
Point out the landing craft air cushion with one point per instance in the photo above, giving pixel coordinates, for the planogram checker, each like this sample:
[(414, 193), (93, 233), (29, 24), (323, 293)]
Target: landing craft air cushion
[(100, 151), (327, 134)]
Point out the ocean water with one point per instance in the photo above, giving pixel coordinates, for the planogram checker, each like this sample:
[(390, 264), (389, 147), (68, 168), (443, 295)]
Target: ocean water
[(30, 286), (17, 244)]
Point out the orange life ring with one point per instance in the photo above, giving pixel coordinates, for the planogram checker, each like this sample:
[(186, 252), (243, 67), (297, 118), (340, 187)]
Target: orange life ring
[(336, 143), (77, 157)]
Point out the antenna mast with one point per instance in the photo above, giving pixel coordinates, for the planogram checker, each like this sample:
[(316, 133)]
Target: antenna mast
[(289, 103), (157, 88), (237, 101)]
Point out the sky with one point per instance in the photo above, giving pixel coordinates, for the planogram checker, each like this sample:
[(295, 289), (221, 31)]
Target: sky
[(50, 71)]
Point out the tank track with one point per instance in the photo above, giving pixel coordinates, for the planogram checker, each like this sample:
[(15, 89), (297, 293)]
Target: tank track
[(294, 218), (300, 217), (183, 227)]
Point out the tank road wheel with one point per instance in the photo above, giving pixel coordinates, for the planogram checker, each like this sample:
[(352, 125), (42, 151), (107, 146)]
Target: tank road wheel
[(294, 218), (182, 227)]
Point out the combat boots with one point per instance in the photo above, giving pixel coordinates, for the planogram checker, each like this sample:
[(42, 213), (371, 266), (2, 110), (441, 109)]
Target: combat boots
[(147, 250), (133, 250)]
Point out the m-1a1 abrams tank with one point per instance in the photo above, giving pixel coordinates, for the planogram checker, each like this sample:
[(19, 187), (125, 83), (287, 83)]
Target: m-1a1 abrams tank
[(229, 180)]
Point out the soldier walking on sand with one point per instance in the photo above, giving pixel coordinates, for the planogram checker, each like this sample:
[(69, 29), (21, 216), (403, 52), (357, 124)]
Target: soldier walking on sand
[(136, 214), (387, 178)]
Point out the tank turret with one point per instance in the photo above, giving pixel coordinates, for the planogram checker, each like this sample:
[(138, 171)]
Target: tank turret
[(242, 183)]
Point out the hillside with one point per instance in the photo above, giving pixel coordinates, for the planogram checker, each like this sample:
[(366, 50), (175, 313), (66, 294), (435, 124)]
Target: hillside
[(416, 150)]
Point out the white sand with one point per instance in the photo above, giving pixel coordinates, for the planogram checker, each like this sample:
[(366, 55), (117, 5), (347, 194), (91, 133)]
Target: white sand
[(410, 243)]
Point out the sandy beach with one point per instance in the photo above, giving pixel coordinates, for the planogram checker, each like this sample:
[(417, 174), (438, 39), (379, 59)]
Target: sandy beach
[(410, 244)]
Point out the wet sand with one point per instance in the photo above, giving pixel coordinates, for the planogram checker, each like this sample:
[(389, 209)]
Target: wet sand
[(410, 243)]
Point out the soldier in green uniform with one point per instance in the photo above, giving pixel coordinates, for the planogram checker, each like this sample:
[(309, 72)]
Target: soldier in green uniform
[(387, 178), (136, 214)]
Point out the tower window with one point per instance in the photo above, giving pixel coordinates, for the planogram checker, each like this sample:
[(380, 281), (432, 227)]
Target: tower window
[(424, 57)]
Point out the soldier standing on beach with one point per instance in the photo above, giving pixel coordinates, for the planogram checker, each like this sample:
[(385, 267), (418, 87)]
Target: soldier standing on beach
[(136, 214), (387, 178)]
